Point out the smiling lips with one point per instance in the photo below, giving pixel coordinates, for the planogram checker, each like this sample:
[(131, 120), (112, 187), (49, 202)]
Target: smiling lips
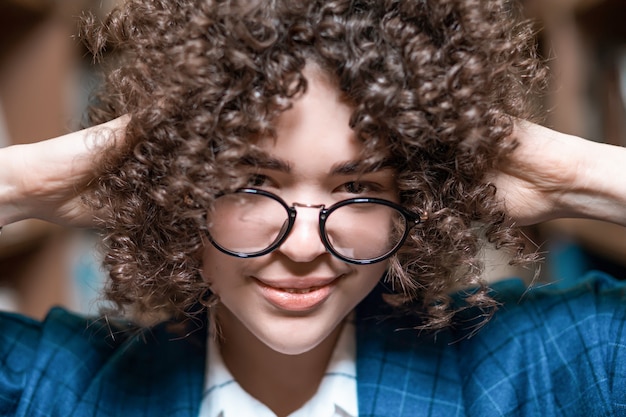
[(301, 296)]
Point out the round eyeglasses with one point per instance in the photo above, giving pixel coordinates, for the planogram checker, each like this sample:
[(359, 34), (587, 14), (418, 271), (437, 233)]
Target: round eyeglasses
[(252, 222)]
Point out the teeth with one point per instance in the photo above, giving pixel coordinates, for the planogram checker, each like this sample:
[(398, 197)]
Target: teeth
[(297, 290)]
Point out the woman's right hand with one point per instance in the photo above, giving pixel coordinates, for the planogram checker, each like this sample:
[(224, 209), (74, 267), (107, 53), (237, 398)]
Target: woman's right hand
[(44, 179)]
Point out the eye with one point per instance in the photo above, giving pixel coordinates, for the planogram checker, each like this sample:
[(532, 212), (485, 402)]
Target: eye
[(258, 181), (359, 187)]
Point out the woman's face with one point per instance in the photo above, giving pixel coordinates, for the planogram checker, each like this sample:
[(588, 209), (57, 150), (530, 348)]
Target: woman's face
[(295, 297)]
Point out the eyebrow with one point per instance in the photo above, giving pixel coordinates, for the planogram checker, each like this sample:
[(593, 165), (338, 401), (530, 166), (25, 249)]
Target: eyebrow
[(360, 167), (265, 161)]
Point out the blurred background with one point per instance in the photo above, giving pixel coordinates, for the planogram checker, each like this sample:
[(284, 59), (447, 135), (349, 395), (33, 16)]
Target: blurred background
[(46, 78), (585, 44)]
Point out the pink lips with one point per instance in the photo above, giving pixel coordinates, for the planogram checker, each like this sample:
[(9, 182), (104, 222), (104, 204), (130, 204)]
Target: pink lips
[(297, 296)]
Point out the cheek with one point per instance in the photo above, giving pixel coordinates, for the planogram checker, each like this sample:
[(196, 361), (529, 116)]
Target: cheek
[(217, 269), (367, 278), (373, 273)]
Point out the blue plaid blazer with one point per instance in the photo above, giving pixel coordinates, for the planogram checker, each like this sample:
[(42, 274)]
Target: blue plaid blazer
[(549, 352)]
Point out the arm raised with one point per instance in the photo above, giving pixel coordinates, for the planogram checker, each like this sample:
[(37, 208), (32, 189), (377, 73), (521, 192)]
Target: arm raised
[(44, 179), (553, 175)]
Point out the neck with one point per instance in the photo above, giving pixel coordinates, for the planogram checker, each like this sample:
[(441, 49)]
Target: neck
[(282, 382)]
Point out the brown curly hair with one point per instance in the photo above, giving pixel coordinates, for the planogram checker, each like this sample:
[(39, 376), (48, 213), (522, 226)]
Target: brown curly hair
[(435, 82)]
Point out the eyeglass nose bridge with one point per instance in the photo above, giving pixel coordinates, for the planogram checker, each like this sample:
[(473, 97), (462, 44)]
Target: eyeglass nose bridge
[(322, 216), (321, 221), (305, 205)]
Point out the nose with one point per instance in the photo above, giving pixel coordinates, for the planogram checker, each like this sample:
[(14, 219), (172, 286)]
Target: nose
[(304, 243)]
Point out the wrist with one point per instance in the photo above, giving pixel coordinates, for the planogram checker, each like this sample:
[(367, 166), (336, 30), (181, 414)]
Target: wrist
[(10, 185), (598, 191)]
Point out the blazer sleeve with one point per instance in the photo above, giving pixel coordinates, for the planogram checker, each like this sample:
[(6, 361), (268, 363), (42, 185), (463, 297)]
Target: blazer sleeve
[(19, 341), (48, 366), (550, 351), (72, 366)]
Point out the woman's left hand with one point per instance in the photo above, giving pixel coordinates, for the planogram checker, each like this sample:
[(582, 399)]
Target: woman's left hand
[(552, 175)]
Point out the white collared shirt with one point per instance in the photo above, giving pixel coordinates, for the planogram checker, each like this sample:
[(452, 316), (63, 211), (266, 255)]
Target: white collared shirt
[(336, 396)]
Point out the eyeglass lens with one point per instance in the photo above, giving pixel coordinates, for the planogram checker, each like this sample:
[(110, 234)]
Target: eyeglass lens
[(248, 223)]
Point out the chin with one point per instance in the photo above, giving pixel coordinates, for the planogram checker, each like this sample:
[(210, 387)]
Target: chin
[(293, 347), (297, 338)]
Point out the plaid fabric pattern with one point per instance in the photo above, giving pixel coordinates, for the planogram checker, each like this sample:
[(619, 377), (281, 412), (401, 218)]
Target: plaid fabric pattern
[(550, 352), (69, 366)]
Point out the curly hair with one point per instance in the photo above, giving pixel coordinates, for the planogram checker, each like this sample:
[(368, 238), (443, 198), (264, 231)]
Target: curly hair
[(437, 83)]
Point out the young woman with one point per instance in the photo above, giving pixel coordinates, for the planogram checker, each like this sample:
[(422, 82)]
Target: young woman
[(295, 191)]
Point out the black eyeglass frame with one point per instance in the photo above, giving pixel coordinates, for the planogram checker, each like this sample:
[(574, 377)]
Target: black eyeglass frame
[(411, 220)]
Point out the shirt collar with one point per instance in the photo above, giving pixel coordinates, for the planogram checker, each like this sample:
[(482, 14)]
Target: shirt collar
[(335, 397)]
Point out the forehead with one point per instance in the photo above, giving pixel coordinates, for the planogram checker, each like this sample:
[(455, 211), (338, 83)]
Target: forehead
[(316, 129)]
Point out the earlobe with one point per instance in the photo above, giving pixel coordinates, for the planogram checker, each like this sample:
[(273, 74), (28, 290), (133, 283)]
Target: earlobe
[(209, 299)]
